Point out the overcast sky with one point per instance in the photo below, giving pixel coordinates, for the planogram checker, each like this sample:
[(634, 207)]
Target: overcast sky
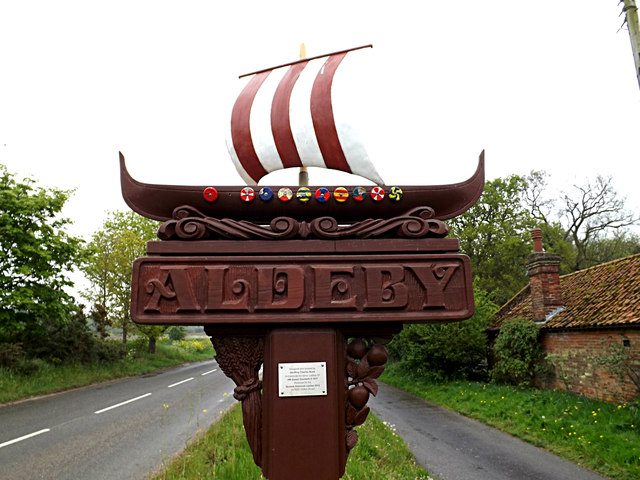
[(545, 85)]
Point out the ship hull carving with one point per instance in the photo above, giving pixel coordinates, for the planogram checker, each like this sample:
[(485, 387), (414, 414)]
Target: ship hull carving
[(158, 202)]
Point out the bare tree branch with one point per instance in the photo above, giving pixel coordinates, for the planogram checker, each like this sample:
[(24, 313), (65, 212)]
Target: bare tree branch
[(591, 211), (539, 206)]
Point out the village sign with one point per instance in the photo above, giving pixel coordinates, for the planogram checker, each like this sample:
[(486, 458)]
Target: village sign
[(308, 282)]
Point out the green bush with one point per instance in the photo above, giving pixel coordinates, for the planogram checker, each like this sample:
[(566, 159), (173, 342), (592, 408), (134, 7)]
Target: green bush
[(137, 347), (177, 333), (446, 350), (518, 353), (107, 351), (10, 354), (28, 366), (69, 342), (73, 341)]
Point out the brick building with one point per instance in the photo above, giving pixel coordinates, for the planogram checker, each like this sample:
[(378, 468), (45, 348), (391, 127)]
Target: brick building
[(589, 323)]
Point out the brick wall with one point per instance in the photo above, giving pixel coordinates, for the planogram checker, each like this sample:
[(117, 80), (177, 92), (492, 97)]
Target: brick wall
[(597, 363)]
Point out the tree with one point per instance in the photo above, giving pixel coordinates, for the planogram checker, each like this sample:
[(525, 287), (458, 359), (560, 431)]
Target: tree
[(535, 195), (447, 350), (495, 234), (110, 256), (35, 257), (554, 241), (592, 217), (100, 320), (578, 226), (152, 332), (621, 244), (177, 332), (589, 213)]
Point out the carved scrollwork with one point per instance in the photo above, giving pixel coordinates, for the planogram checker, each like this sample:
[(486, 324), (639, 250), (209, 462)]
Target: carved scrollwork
[(365, 361), (188, 223)]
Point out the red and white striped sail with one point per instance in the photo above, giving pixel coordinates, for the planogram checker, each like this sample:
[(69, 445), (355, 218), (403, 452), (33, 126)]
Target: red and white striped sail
[(284, 118)]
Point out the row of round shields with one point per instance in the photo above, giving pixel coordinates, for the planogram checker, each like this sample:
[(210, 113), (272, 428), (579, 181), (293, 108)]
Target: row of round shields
[(304, 194)]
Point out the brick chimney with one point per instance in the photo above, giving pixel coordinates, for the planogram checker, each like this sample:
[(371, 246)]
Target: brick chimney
[(544, 279)]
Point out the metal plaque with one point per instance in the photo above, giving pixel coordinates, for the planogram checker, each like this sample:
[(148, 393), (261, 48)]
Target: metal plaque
[(306, 379)]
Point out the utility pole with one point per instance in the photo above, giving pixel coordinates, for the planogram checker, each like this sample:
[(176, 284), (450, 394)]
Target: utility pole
[(631, 13)]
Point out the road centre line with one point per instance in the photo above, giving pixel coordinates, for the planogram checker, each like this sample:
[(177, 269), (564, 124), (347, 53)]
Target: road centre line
[(181, 382), (24, 437), (210, 371), (122, 403)]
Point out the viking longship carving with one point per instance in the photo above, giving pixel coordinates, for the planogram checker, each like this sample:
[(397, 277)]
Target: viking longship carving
[(284, 118), (293, 275)]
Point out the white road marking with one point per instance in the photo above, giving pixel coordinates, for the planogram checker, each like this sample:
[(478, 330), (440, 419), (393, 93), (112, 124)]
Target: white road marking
[(181, 382), (210, 371), (122, 403), (24, 437)]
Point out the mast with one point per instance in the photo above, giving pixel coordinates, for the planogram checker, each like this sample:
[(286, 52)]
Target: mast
[(631, 12), (303, 174)]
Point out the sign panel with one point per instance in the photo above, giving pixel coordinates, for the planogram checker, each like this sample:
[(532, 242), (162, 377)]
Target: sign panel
[(294, 289), (302, 379)]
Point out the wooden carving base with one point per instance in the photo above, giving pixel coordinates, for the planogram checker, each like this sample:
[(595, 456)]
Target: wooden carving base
[(303, 436)]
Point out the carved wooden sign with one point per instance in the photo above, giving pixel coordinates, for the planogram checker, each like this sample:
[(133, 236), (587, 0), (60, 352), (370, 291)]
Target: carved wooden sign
[(310, 281), (310, 290), (263, 289)]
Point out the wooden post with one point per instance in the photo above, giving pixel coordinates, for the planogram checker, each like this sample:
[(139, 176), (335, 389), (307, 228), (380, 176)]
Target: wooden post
[(303, 423)]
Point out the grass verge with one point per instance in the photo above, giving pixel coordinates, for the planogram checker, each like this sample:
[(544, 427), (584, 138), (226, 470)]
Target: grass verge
[(223, 453), (598, 435), (53, 378)]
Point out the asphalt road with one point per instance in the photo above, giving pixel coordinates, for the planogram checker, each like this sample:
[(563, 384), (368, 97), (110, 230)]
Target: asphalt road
[(127, 429), (117, 430), (452, 447)]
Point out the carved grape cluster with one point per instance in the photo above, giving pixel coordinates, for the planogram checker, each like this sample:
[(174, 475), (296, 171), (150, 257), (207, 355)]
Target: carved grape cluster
[(364, 363)]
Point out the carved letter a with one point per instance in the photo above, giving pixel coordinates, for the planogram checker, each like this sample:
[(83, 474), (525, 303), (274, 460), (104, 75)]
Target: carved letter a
[(173, 286)]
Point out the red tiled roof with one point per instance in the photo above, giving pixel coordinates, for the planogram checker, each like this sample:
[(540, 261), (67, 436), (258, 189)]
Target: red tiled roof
[(606, 295)]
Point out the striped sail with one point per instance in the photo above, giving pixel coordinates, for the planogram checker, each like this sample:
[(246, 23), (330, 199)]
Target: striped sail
[(284, 118)]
